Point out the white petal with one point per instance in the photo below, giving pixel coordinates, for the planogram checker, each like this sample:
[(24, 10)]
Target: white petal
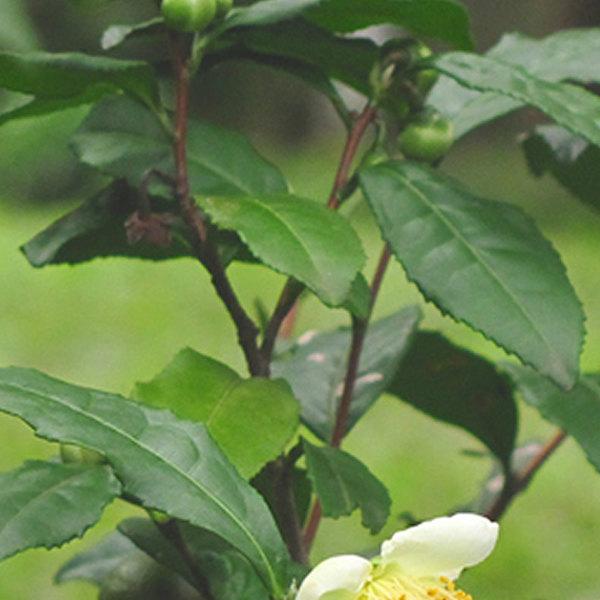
[(443, 546), (340, 577)]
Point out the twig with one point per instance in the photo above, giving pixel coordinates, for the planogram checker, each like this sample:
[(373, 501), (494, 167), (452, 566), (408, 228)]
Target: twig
[(517, 483), (359, 330), (280, 474), (170, 529), (204, 248), (290, 293), (352, 141)]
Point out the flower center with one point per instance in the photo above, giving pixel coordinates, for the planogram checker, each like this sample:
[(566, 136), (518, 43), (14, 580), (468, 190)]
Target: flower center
[(398, 587)]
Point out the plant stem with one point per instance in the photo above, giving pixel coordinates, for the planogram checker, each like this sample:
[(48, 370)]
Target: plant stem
[(204, 248), (170, 530), (359, 330), (515, 485), (352, 141), (290, 293)]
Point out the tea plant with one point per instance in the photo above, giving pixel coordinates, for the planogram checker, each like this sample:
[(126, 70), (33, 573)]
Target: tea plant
[(233, 489)]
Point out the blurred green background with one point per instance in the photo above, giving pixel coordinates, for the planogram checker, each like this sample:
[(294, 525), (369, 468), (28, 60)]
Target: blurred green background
[(113, 322)]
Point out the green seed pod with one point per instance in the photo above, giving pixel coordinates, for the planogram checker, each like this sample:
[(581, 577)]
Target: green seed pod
[(427, 139), (71, 453)]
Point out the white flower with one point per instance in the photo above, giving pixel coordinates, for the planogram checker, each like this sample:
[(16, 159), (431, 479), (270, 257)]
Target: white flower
[(419, 563)]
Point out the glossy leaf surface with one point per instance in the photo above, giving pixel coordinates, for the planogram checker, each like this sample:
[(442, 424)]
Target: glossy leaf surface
[(229, 575), (58, 81), (95, 564), (47, 504), (170, 465), (251, 419), (572, 55), (117, 34), (483, 262), (294, 236), (97, 228), (265, 12), (461, 388), (570, 106), (572, 161), (348, 60), (576, 411), (445, 20), (123, 139), (343, 484), (316, 365)]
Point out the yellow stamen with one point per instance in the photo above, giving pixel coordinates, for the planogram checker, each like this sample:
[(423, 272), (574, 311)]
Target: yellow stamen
[(400, 587)]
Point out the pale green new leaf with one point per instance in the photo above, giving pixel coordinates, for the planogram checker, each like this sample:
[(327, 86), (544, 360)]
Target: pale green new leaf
[(170, 465), (316, 365), (570, 106), (482, 261), (251, 419), (576, 411), (47, 504), (343, 484), (294, 236)]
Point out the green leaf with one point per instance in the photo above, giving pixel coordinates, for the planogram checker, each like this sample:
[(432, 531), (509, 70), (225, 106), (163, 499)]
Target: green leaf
[(576, 411), (47, 504), (570, 106), (296, 237), (458, 387), (97, 228), (315, 368), (444, 20), (124, 139), (574, 163), (251, 419), (230, 576), (170, 465), (482, 261), (265, 12), (117, 34), (95, 564), (344, 484), (16, 28), (572, 55), (64, 80), (348, 60)]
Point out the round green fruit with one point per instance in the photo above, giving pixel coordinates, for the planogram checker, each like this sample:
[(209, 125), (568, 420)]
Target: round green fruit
[(71, 453), (427, 139), (189, 15)]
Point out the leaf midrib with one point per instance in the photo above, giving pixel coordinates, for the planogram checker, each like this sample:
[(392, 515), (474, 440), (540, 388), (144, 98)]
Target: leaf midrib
[(149, 450), (458, 235)]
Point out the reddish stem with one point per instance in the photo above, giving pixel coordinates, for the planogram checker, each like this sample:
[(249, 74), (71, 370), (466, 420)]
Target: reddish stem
[(359, 331), (520, 481), (352, 141)]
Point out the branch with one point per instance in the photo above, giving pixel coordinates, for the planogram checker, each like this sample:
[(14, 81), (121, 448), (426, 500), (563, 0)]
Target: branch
[(514, 485), (289, 295), (359, 330), (204, 248), (170, 530), (352, 141)]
